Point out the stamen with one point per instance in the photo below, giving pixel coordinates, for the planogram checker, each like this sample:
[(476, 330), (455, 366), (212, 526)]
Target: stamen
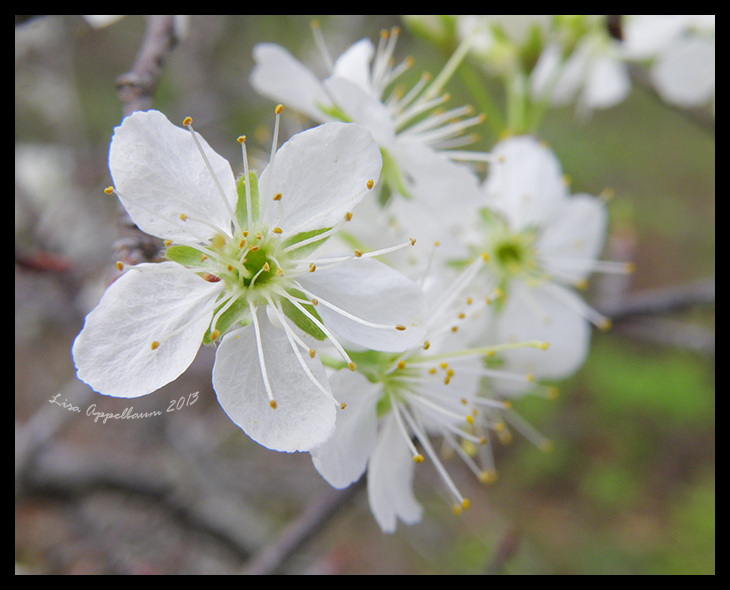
[(322, 46), (249, 213), (294, 340), (295, 302), (275, 138), (348, 315), (188, 122), (262, 362), (417, 457), (423, 439)]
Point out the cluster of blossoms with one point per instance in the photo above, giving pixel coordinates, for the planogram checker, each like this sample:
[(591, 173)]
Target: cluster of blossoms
[(321, 347)]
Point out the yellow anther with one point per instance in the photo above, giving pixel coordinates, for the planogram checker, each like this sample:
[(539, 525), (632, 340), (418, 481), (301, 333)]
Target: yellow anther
[(629, 267), (447, 380), (272, 404), (167, 243), (530, 377), (463, 401), (413, 241), (312, 352), (229, 268), (418, 458), (203, 257), (432, 371), (241, 139), (187, 121), (581, 285), (485, 257), (461, 316), (455, 329), (401, 364), (120, 266), (465, 503), (507, 404), (312, 267), (351, 366), (348, 216), (426, 345), (468, 300), (109, 190), (215, 334), (469, 419), (358, 254), (183, 217), (400, 327), (450, 372), (258, 235), (253, 248), (544, 345), (278, 109), (245, 234), (279, 272), (266, 267), (314, 301), (277, 230), (457, 509), (605, 325), (343, 405), (242, 243), (277, 197), (370, 184), (155, 345), (443, 365), (488, 476)]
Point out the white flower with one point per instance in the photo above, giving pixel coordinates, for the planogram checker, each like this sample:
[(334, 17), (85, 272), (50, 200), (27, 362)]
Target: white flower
[(241, 270), (416, 154), (542, 243), (430, 390), (682, 47)]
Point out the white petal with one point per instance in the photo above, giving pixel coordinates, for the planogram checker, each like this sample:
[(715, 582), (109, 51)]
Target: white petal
[(354, 64), (343, 458), (569, 244), (374, 292), (156, 164), (113, 353), (362, 108), (537, 314), (281, 77), (304, 416), (321, 173), (390, 479), (526, 184), (685, 74), (607, 83)]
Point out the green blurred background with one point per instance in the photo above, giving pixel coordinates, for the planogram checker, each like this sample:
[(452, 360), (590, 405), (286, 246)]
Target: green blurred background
[(630, 485)]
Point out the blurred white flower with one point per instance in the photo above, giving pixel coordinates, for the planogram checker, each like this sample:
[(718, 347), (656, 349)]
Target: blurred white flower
[(417, 139)]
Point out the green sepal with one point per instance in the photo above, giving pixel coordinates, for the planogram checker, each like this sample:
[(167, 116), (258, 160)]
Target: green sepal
[(306, 248), (184, 255), (229, 317), (241, 209), (301, 320)]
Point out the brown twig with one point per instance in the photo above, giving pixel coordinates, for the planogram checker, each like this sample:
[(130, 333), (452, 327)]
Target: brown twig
[(136, 87)]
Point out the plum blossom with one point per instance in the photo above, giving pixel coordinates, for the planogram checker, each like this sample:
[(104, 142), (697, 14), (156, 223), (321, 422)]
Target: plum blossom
[(241, 273), (417, 150), (400, 400), (543, 243)]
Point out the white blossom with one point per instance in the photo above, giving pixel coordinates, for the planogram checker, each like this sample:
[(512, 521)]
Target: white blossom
[(241, 272)]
